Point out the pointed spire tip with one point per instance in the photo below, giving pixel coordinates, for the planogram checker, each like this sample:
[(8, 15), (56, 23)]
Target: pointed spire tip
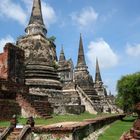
[(36, 23)]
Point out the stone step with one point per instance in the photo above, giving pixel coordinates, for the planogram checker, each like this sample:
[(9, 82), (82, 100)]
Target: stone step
[(43, 109), (34, 98), (41, 106), (14, 134), (41, 103), (42, 75), (33, 67), (40, 72)]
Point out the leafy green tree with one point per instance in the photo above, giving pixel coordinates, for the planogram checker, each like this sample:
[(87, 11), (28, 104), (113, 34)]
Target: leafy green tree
[(128, 91)]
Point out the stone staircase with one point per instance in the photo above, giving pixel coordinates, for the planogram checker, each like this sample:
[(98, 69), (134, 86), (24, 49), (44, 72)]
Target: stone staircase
[(14, 135), (113, 107), (34, 105), (89, 93), (89, 105), (45, 112), (62, 101), (65, 102), (93, 102)]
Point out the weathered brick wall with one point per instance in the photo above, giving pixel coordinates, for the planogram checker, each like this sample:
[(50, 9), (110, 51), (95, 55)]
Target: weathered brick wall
[(26, 109), (3, 65), (12, 64), (15, 63), (8, 108), (11, 80)]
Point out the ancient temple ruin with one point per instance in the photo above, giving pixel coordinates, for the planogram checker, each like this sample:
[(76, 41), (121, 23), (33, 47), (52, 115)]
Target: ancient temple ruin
[(44, 84), (65, 68)]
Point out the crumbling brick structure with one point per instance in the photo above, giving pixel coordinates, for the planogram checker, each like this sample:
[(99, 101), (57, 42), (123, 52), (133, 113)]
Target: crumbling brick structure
[(12, 64), (11, 80)]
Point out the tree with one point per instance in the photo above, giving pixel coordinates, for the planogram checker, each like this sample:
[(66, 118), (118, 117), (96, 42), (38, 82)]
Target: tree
[(128, 91), (52, 38)]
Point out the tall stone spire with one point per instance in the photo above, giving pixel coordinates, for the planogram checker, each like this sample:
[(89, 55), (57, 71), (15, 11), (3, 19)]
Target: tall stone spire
[(62, 58), (36, 24), (81, 63), (97, 75)]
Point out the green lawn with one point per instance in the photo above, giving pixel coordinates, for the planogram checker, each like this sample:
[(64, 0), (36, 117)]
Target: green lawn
[(55, 119), (116, 129)]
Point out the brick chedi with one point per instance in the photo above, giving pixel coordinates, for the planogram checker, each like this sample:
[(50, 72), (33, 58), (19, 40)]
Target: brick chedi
[(40, 56), (98, 79), (41, 74), (94, 92), (40, 53), (65, 68), (84, 80), (101, 90), (81, 74), (107, 102), (71, 98)]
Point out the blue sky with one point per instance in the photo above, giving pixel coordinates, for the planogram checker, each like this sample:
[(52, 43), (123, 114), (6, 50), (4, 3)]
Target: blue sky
[(110, 31)]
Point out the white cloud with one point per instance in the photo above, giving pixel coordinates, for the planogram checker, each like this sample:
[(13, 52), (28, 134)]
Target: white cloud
[(5, 40), (49, 14), (85, 18), (133, 50), (13, 11), (102, 50)]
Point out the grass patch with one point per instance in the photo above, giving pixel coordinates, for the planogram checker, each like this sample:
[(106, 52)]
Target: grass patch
[(4, 123), (55, 119), (116, 129)]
